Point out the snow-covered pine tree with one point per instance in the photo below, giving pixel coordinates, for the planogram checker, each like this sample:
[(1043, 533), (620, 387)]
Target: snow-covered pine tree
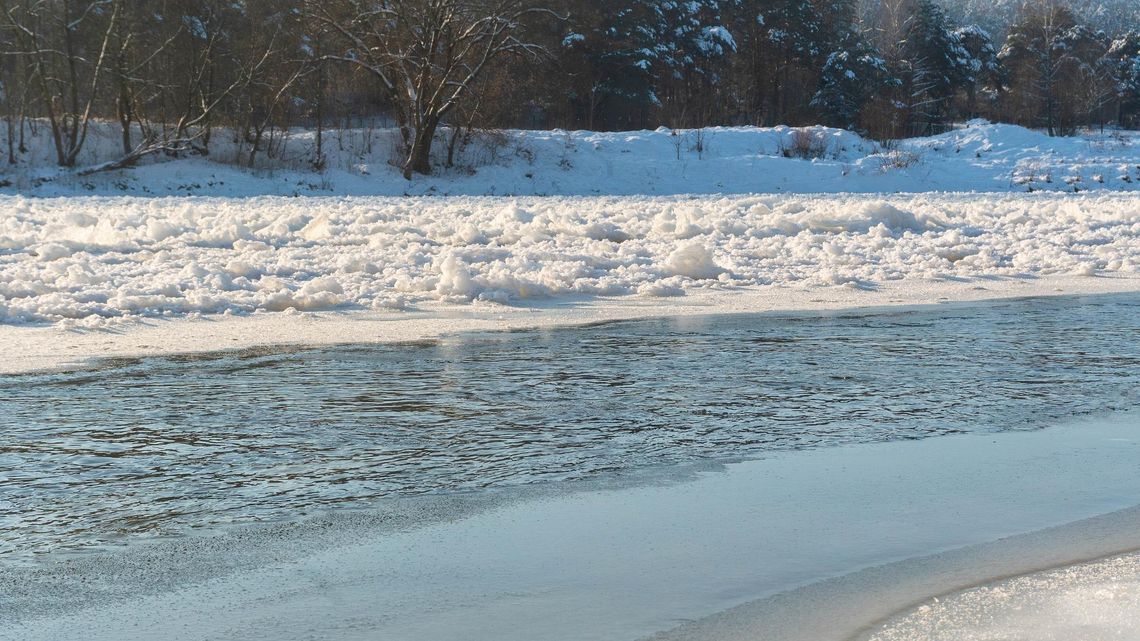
[(849, 76), (852, 69), (931, 63), (984, 70), (692, 43), (785, 40), (609, 59), (1054, 79), (1123, 57), (654, 54), (1088, 77)]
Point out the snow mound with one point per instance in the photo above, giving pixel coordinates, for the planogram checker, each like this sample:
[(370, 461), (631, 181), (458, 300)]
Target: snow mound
[(454, 278), (872, 215)]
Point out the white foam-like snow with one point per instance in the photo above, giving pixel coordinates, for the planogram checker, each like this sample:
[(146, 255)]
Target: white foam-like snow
[(90, 260), (693, 261)]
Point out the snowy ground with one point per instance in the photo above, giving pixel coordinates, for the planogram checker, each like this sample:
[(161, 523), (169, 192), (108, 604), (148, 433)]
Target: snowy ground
[(1092, 601), (976, 157)]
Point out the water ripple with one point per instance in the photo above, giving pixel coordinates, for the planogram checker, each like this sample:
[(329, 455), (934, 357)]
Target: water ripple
[(147, 448)]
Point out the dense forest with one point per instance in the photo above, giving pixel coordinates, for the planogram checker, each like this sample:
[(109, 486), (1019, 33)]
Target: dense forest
[(170, 74)]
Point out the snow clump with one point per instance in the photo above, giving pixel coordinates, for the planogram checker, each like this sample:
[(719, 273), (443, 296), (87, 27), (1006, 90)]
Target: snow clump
[(694, 261)]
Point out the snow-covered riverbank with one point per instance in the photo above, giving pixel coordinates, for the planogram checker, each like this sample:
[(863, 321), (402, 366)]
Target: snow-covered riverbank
[(976, 156), (30, 348), (123, 276)]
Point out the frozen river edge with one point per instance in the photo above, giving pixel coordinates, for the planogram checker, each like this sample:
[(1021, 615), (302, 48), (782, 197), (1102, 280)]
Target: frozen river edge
[(832, 541), (121, 277), (972, 591), (30, 348)]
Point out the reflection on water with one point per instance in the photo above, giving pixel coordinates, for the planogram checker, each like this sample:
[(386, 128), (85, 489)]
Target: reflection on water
[(153, 447)]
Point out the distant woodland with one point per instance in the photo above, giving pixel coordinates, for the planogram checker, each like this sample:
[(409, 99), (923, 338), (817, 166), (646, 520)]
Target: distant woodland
[(172, 74)]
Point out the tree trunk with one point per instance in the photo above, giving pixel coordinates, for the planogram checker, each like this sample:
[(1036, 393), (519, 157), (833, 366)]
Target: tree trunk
[(419, 154), (452, 144), (10, 123), (11, 131), (253, 148), (125, 119), (319, 160), (592, 110)]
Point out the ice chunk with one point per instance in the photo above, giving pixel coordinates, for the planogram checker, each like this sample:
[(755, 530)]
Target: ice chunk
[(694, 261)]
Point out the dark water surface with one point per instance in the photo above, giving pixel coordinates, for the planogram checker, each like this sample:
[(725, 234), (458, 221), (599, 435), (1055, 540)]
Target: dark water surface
[(154, 447)]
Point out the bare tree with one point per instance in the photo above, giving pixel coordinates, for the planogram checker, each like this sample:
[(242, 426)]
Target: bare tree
[(201, 98), (139, 40), (67, 68), (11, 92), (427, 54)]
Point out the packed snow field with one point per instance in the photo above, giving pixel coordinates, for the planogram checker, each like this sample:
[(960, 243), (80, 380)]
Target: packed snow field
[(90, 262), (977, 156)]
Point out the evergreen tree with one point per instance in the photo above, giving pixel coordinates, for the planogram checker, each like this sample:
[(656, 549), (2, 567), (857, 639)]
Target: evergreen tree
[(1052, 62), (653, 53), (690, 45), (932, 65), (1030, 58), (850, 76), (610, 58), (1123, 57), (787, 45), (982, 67), (852, 69)]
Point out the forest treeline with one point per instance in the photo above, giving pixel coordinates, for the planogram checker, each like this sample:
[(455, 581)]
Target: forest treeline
[(174, 73)]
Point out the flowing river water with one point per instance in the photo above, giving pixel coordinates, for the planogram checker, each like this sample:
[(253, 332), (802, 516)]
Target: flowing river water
[(159, 447)]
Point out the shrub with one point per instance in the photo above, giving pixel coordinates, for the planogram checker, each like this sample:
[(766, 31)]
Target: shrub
[(804, 143), (898, 159)]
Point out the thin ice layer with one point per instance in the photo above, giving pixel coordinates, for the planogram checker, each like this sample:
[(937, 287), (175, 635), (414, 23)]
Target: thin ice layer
[(1093, 602)]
